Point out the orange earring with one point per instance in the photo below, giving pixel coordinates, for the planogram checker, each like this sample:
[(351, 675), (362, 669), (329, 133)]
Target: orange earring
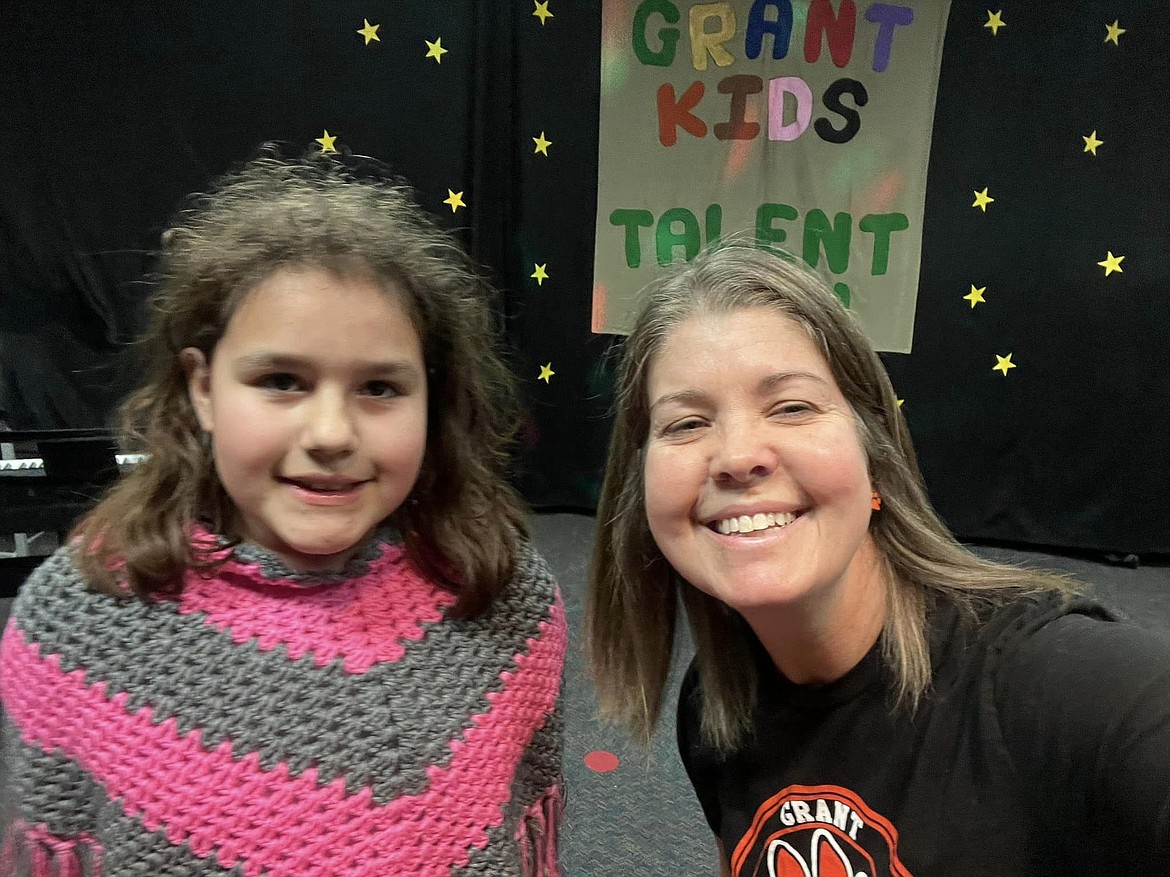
[(875, 501)]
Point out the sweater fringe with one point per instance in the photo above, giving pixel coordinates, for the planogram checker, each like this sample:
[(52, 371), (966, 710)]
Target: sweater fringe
[(33, 851), (537, 834)]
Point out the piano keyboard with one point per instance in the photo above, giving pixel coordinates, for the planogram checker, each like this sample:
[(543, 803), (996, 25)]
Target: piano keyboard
[(32, 465)]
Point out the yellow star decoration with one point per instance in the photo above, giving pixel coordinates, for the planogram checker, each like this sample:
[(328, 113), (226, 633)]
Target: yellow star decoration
[(975, 296), (370, 31), (542, 11), (900, 401), (539, 274), (1091, 143), (982, 199), (1112, 263), (435, 50), (542, 145), (546, 372), (327, 142), (1003, 363), (454, 199), (1113, 33), (995, 22)]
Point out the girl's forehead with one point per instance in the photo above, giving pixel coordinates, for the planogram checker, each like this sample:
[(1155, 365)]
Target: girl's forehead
[(305, 306), (320, 280)]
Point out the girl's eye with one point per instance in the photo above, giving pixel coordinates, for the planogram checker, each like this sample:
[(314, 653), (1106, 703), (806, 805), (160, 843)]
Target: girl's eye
[(282, 382), (381, 389)]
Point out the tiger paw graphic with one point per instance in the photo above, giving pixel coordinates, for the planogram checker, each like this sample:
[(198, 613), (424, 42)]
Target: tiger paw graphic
[(826, 859), (818, 831)]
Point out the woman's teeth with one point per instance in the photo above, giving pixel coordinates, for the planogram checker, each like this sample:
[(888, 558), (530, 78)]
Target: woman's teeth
[(751, 523)]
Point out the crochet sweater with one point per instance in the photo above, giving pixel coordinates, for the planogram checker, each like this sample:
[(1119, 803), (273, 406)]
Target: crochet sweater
[(267, 723)]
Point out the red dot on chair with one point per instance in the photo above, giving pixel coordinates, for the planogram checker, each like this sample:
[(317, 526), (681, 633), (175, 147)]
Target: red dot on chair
[(601, 761)]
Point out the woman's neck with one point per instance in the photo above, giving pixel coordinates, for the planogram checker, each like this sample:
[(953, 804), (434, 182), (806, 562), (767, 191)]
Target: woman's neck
[(821, 639)]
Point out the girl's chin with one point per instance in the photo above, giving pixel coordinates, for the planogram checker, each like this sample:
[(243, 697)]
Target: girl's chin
[(317, 552), (311, 560)]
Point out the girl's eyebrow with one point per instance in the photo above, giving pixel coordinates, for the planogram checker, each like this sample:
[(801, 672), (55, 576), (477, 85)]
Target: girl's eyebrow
[(264, 360)]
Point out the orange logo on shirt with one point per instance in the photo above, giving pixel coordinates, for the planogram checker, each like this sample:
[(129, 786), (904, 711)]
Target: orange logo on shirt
[(818, 831)]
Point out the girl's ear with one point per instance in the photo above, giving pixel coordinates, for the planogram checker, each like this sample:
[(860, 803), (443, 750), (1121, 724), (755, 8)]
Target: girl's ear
[(198, 385)]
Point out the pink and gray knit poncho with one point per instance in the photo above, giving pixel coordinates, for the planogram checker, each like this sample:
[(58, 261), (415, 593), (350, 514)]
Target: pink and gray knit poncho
[(267, 723)]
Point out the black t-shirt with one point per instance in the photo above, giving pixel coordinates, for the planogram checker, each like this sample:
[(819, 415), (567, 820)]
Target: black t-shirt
[(1043, 748)]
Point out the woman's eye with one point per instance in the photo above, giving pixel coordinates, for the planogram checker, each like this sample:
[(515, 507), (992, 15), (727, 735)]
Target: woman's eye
[(793, 408), (281, 382), (684, 426), (381, 389)]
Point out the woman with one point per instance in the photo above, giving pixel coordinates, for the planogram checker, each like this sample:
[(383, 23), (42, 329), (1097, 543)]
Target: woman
[(867, 696)]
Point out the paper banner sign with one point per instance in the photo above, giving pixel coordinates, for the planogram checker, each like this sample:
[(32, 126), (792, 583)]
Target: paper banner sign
[(802, 124)]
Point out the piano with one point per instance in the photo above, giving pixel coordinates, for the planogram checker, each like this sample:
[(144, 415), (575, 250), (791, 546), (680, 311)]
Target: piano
[(48, 479)]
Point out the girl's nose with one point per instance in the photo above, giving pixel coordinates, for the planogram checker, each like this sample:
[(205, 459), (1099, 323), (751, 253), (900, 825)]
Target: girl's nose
[(328, 427)]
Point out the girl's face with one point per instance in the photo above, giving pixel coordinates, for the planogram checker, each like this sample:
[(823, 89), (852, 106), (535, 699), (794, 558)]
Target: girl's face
[(757, 490), (316, 403)]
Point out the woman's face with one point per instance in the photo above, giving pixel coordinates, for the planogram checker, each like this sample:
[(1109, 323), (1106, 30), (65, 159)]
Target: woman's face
[(757, 490)]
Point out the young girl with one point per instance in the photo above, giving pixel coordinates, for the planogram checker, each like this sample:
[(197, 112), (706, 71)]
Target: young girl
[(307, 635), (868, 696)]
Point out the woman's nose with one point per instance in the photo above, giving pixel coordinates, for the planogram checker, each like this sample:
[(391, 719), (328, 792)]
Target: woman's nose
[(743, 454)]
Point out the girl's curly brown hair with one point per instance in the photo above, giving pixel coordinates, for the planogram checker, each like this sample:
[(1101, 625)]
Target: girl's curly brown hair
[(351, 218)]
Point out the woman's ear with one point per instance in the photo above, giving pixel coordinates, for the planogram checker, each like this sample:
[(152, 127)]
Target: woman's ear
[(198, 373)]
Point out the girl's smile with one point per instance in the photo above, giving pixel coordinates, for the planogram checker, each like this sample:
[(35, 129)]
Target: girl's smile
[(324, 492)]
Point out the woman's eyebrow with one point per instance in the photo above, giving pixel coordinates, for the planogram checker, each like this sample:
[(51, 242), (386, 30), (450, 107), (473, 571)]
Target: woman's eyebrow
[(777, 379), (679, 397), (767, 384)]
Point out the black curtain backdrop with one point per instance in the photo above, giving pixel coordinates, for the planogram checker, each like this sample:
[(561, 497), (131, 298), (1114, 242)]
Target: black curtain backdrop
[(111, 112)]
